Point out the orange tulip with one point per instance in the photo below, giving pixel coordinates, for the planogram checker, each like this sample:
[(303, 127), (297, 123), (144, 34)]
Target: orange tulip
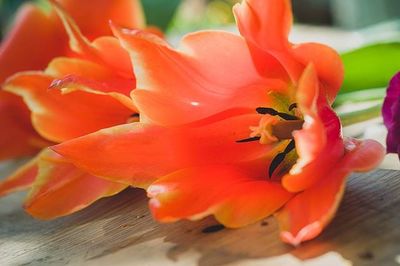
[(34, 40), (239, 127), (82, 92)]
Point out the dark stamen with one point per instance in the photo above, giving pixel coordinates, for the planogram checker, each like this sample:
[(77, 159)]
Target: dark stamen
[(273, 112), (266, 111), (291, 146), (134, 115), (288, 117), (275, 163), (280, 157), (248, 140), (292, 106)]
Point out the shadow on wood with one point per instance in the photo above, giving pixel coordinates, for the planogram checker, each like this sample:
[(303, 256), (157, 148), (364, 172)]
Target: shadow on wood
[(121, 230)]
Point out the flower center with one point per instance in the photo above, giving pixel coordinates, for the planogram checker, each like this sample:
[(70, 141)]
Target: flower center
[(274, 127)]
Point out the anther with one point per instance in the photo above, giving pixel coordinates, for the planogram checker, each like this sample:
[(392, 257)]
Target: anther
[(292, 106), (267, 111), (280, 157), (249, 139), (273, 112)]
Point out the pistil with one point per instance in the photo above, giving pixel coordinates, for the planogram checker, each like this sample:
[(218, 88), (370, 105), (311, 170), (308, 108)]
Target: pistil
[(283, 130)]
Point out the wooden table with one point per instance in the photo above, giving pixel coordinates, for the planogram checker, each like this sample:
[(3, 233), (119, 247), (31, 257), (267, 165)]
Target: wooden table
[(120, 231)]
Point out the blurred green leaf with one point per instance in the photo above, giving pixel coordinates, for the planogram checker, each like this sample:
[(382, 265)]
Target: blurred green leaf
[(8, 8), (160, 12), (371, 66)]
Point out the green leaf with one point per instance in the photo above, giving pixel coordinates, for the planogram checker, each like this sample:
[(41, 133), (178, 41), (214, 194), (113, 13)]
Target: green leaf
[(360, 96), (371, 66), (160, 12), (8, 8)]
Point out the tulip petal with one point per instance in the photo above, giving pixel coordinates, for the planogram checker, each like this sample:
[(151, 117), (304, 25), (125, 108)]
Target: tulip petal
[(151, 106), (114, 55), (309, 212), (22, 49), (127, 13), (139, 153), (20, 139), (98, 74), (77, 41), (319, 143), (87, 76), (21, 179), (313, 131), (61, 188), (328, 66), (266, 25), (362, 156), (105, 50), (116, 80), (305, 216), (247, 200), (54, 115), (209, 63)]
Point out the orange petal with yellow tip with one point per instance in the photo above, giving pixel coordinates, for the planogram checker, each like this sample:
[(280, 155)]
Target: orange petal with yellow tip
[(105, 51), (61, 189), (73, 74), (23, 47), (248, 199), (21, 179), (308, 213), (77, 41), (139, 153), (17, 137), (58, 116), (73, 83)]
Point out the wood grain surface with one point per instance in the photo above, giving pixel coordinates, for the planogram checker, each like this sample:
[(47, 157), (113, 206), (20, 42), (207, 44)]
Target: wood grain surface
[(120, 231)]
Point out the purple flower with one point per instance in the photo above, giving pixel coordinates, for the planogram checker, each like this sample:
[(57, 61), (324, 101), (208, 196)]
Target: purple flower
[(391, 115)]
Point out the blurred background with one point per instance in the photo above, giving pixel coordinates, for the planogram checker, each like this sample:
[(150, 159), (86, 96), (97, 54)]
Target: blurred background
[(186, 15)]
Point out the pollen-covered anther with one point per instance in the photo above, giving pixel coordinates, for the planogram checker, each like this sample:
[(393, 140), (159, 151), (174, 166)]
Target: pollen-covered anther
[(265, 128)]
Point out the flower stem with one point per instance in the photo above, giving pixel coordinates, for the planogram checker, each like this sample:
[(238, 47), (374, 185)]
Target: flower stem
[(360, 96), (350, 118)]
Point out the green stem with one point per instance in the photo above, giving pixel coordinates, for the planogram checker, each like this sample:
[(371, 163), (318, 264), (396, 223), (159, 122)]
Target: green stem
[(360, 96), (350, 118)]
